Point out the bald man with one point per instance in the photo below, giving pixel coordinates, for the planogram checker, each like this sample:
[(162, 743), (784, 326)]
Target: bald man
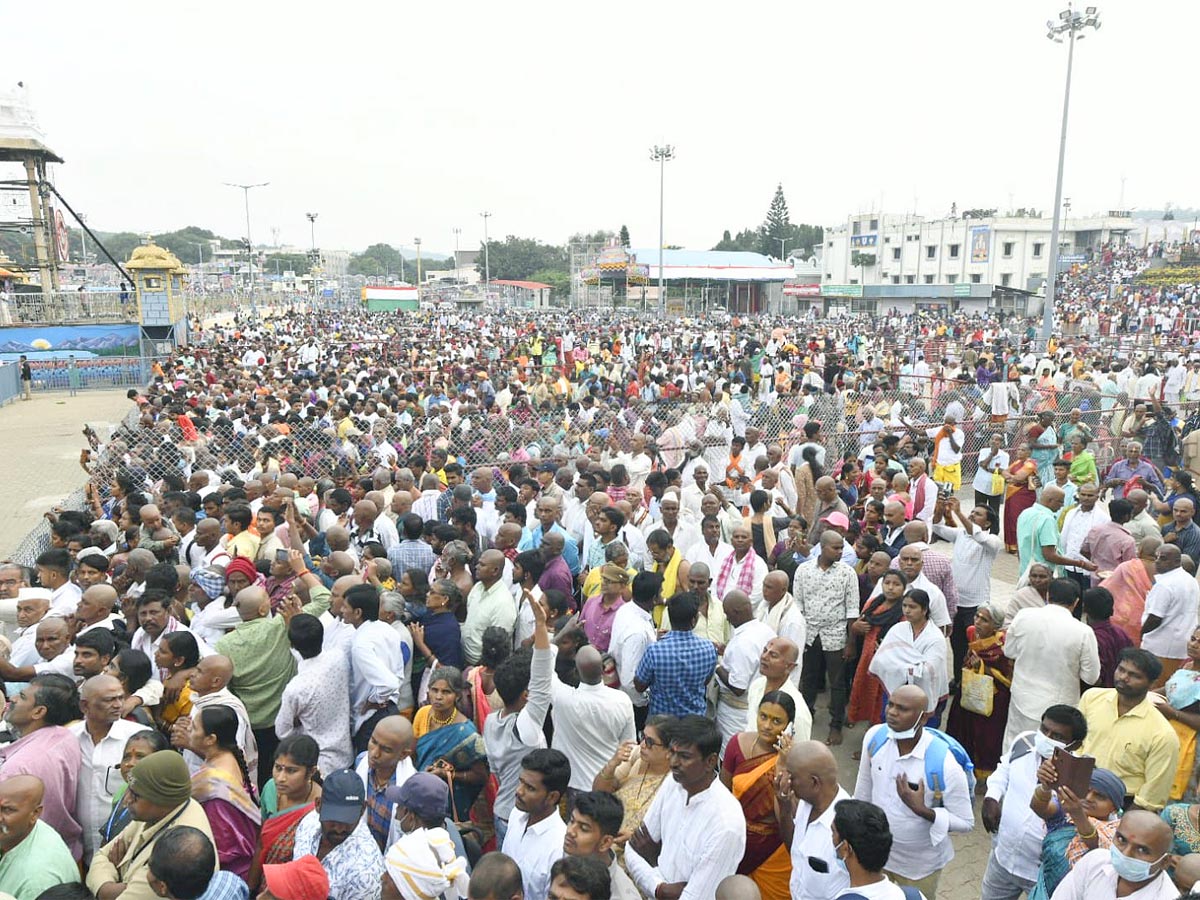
[(210, 687), (892, 775), (806, 807), (489, 603), (547, 514), (1038, 535), (590, 721), (738, 887), (1171, 609), (262, 658), (33, 858), (739, 663), (781, 612), (387, 761), (777, 664), (371, 527), (102, 734), (1137, 863), (95, 608)]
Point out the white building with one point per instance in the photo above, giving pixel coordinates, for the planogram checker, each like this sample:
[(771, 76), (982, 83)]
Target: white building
[(1004, 251)]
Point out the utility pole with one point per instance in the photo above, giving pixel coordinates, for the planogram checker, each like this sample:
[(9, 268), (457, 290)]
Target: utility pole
[(315, 264), (661, 155), (487, 268), (417, 243), (246, 188)]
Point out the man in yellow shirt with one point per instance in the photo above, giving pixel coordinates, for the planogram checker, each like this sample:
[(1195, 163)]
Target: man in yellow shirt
[(237, 524), (1128, 735)]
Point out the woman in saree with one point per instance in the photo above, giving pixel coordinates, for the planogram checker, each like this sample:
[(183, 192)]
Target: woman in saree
[(223, 787), (748, 770), (1044, 445), (635, 773), (982, 735), (138, 746), (1083, 463), (914, 652), (1019, 494), (1074, 825), (287, 798), (878, 616), (1129, 584), (1179, 702), (448, 743)]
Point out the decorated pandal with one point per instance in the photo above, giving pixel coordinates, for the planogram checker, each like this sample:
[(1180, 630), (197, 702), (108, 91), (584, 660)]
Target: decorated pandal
[(616, 263)]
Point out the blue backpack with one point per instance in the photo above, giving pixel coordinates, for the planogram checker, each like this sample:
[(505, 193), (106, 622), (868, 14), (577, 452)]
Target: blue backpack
[(935, 759)]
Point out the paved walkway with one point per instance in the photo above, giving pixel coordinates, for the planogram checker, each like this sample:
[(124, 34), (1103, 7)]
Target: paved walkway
[(40, 442)]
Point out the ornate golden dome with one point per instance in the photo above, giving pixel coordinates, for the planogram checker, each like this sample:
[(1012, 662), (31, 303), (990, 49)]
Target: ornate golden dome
[(152, 256)]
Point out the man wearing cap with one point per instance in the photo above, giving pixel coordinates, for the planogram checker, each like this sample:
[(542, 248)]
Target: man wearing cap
[(159, 798), (598, 612), (425, 861), (300, 879), (335, 833)]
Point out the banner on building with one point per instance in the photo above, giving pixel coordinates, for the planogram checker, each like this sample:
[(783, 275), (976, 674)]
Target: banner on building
[(864, 240), (981, 239)]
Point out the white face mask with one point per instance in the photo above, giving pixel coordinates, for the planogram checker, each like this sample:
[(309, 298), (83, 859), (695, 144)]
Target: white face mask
[(903, 735), (1044, 747)]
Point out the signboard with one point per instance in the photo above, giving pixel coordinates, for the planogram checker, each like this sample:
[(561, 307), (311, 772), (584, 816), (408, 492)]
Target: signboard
[(674, 306), (864, 240), (962, 290), (981, 240), (841, 290), (802, 290)]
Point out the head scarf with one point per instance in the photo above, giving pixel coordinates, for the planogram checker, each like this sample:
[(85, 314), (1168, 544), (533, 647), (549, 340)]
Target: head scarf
[(162, 778), (1108, 784), (208, 579), (423, 864), (246, 567)]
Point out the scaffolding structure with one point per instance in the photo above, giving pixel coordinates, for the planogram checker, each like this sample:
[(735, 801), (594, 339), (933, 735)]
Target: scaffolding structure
[(25, 191)]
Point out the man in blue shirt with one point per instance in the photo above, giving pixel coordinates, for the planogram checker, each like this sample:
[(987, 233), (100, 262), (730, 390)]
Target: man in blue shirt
[(547, 513), (676, 669)]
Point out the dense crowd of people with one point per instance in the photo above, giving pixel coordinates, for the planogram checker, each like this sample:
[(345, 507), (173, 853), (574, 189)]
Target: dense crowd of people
[(545, 605)]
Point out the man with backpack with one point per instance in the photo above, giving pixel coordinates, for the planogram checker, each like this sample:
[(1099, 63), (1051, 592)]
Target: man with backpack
[(924, 781)]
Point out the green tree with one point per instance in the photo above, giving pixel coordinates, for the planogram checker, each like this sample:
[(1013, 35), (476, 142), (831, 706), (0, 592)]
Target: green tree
[(559, 281), (747, 239), (623, 237), (776, 228), (603, 236), (378, 259), (518, 258)]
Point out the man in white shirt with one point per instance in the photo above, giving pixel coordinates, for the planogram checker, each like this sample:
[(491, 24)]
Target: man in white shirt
[(1134, 867), (1017, 846), (694, 833), (948, 440), (632, 632), (1171, 607), (976, 547), (102, 734), (313, 701), (739, 663), (806, 812), (861, 832), (536, 831), (590, 721), (1076, 521), (376, 659), (710, 550), (922, 489), (1052, 652), (894, 778)]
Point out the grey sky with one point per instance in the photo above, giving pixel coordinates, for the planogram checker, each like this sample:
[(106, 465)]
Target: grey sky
[(393, 119)]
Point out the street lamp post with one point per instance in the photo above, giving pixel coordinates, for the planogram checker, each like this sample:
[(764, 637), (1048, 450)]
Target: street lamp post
[(487, 266), (246, 188), (783, 242), (315, 263), (417, 243), (661, 155), (457, 232), (1072, 25)]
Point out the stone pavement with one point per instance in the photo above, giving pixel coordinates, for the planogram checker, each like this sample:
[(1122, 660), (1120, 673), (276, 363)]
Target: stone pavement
[(40, 442)]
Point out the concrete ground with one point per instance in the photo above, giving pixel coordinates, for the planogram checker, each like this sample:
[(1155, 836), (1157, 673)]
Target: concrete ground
[(40, 442), (962, 876)]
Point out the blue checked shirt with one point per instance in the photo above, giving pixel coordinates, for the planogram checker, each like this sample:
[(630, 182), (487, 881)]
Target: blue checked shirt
[(411, 555), (225, 886), (676, 669)]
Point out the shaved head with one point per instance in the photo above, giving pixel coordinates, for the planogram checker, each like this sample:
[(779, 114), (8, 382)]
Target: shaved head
[(590, 664), (252, 602)]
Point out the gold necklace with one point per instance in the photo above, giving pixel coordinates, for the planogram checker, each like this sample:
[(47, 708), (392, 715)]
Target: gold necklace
[(439, 723)]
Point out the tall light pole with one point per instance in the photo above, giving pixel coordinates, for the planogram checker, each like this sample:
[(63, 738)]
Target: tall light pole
[(316, 261), (417, 244), (783, 242), (1072, 25), (661, 155), (457, 232), (487, 267), (246, 188)]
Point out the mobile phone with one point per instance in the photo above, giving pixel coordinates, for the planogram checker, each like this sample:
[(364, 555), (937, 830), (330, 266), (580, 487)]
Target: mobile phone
[(818, 865), (281, 556)]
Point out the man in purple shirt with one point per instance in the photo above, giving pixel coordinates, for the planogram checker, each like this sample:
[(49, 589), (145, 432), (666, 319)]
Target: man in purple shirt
[(47, 750), (557, 576), (1110, 639), (1132, 466), (598, 612)]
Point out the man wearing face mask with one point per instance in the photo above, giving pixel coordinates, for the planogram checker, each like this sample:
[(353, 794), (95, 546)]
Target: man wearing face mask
[(893, 777), (1016, 849), (424, 861), (862, 842), (1134, 866)]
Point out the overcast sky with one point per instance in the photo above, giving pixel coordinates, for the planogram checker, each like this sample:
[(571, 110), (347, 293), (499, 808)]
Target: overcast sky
[(393, 120)]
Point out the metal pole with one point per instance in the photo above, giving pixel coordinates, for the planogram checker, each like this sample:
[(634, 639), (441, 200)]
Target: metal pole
[(1052, 275), (662, 175), (487, 266)]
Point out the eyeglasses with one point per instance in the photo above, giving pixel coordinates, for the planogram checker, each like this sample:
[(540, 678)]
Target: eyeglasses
[(651, 743)]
